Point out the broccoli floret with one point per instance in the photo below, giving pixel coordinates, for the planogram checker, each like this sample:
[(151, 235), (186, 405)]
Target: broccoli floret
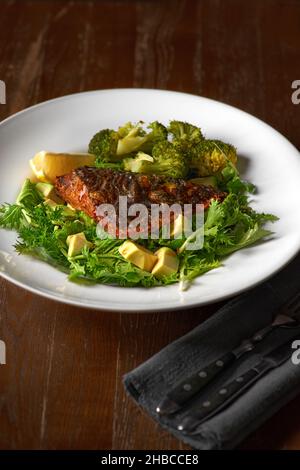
[(131, 138), (126, 129), (183, 131), (158, 133), (166, 160), (185, 136), (137, 164), (210, 156), (134, 138), (111, 146), (104, 145)]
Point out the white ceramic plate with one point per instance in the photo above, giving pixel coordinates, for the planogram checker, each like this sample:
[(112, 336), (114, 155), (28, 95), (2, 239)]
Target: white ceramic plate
[(67, 124)]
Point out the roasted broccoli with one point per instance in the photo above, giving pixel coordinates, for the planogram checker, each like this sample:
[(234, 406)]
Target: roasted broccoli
[(158, 133), (131, 138), (104, 145), (183, 131), (111, 146), (165, 160), (210, 156), (138, 163), (184, 136), (188, 152)]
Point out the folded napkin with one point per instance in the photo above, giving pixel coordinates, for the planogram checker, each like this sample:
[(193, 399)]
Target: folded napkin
[(239, 319)]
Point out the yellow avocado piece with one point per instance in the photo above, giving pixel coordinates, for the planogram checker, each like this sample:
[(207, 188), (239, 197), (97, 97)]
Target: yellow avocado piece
[(76, 243), (138, 255), (67, 212), (47, 165), (48, 191), (168, 262), (50, 203)]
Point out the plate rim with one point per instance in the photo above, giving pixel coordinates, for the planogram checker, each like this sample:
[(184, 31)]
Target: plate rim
[(136, 308)]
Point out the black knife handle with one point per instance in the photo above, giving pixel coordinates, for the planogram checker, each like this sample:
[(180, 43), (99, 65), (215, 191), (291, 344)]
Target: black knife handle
[(189, 387), (222, 397)]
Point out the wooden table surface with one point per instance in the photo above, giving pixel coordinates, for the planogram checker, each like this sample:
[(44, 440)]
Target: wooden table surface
[(61, 387)]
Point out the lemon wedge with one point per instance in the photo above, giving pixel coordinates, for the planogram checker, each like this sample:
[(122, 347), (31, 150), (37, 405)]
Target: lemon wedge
[(47, 165)]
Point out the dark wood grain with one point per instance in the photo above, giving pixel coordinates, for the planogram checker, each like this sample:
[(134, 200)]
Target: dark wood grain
[(61, 387)]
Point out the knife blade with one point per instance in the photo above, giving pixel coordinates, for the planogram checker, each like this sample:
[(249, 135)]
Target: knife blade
[(228, 392)]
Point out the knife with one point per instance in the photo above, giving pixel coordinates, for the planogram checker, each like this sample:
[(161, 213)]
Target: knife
[(288, 317), (226, 394)]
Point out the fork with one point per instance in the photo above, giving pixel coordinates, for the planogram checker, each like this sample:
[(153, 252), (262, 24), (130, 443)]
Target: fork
[(288, 317)]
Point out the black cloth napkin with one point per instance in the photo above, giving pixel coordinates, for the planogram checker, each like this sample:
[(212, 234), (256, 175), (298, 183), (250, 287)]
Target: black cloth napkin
[(241, 317)]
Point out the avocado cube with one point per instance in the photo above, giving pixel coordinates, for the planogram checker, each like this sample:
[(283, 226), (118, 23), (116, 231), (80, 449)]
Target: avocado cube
[(138, 255), (168, 262), (68, 212), (76, 243), (48, 191), (50, 203)]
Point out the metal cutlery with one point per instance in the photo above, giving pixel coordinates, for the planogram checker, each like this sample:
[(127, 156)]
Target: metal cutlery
[(288, 317), (225, 395)]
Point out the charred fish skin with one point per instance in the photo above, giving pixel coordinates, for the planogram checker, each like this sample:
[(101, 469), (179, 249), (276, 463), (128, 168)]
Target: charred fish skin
[(85, 188)]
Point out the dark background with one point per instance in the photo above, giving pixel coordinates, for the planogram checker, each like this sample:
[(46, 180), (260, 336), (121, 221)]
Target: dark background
[(61, 387)]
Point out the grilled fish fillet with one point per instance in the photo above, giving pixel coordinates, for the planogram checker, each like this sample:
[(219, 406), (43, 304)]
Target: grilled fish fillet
[(85, 188)]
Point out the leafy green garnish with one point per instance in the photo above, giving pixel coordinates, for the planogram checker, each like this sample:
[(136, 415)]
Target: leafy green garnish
[(229, 180), (29, 196), (11, 216), (229, 226)]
